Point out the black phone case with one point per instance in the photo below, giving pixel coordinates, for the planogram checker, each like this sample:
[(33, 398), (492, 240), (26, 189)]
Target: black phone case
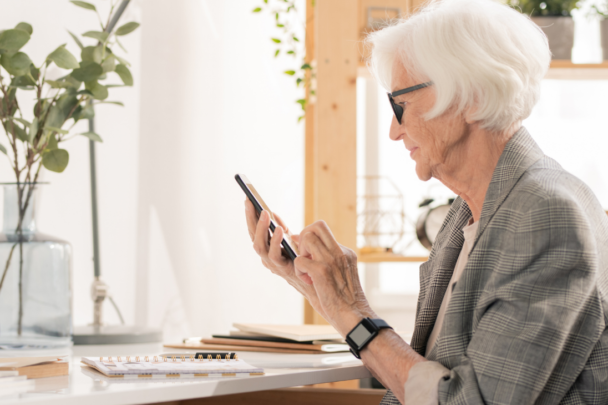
[(288, 249)]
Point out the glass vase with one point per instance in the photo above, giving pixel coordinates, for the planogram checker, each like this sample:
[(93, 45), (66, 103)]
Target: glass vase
[(35, 277)]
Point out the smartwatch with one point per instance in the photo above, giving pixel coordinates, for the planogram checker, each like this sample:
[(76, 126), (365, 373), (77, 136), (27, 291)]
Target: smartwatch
[(363, 333)]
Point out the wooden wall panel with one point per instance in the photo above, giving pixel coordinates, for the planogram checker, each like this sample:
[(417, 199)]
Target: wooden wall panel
[(335, 114)]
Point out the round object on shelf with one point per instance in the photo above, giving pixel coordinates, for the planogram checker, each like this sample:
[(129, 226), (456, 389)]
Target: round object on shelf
[(429, 222)]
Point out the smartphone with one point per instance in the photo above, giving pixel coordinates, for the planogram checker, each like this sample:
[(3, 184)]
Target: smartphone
[(259, 204)]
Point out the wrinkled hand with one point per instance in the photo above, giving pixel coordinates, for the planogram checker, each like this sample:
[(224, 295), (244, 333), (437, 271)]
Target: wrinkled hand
[(332, 269), (271, 254)]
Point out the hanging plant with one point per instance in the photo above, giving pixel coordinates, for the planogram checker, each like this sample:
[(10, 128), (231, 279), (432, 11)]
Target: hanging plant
[(288, 43)]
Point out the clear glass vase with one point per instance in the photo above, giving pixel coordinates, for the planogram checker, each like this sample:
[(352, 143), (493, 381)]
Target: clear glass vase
[(35, 278)]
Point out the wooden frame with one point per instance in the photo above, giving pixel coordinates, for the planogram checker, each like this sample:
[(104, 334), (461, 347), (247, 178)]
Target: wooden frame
[(293, 396)]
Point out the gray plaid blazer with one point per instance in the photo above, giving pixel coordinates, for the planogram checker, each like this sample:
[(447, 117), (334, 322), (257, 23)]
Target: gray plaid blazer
[(527, 320)]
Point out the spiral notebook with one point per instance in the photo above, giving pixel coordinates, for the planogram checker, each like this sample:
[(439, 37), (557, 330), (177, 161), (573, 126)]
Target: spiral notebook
[(185, 366)]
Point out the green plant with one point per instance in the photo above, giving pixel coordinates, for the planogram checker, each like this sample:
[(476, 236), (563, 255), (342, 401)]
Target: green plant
[(537, 8), (288, 43), (34, 139)]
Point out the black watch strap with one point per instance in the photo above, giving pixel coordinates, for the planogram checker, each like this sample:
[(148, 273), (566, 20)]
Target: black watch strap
[(363, 333)]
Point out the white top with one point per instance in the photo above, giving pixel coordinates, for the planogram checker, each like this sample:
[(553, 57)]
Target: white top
[(84, 386), (469, 237)]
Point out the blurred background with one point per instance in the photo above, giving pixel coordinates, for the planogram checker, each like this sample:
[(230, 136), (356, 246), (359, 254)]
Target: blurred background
[(210, 100)]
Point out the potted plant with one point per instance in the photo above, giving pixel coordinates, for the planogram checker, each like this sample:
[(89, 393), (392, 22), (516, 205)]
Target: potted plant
[(553, 17), (35, 291), (601, 11)]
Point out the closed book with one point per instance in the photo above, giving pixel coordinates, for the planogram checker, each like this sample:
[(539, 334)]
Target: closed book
[(299, 333), (35, 367), (306, 347)]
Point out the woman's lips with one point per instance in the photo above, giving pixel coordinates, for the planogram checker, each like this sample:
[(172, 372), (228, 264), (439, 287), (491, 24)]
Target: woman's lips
[(412, 151)]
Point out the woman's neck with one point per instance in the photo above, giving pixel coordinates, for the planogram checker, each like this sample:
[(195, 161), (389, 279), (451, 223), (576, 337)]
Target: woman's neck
[(470, 166)]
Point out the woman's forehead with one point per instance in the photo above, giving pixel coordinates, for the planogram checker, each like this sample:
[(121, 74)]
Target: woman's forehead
[(400, 79)]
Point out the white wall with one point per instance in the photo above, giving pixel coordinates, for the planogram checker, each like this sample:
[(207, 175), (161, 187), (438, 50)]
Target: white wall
[(209, 101)]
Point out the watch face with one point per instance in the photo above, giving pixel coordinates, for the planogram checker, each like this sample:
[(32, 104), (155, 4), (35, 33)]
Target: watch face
[(359, 335)]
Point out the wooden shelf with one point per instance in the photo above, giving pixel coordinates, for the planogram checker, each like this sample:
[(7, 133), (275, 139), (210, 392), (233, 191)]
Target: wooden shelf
[(568, 64), (559, 70), (390, 257)]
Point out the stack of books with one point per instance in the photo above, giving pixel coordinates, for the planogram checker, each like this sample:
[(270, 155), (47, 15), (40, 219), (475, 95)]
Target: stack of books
[(302, 339), (16, 373)]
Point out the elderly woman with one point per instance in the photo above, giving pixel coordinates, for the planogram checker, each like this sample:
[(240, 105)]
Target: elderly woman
[(513, 302)]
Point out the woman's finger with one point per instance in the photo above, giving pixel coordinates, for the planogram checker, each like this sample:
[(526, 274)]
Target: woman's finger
[(260, 243), (321, 229), (280, 222), (252, 218), (275, 251), (302, 266), (312, 245)]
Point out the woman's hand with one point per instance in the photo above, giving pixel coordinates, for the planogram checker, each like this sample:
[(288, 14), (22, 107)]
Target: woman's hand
[(332, 269), (271, 254)]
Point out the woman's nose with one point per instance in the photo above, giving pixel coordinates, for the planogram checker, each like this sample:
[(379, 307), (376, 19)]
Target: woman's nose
[(395, 132)]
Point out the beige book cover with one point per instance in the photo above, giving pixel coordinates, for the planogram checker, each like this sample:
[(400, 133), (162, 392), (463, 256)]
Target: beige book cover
[(299, 333)]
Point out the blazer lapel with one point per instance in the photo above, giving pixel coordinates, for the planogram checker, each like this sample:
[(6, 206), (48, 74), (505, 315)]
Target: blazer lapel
[(519, 154), (435, 274)]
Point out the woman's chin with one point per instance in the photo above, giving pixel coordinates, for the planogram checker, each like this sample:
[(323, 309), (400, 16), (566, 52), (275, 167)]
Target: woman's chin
[(423, 172)]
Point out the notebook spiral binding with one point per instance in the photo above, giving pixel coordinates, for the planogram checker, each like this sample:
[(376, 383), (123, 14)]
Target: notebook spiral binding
[(197, 357)]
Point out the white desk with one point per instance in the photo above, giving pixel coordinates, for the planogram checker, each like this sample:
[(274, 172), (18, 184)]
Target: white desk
[(282, 370)]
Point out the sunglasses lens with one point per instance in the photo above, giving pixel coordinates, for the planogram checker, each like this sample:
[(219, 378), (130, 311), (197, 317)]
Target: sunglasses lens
[(397, 109)]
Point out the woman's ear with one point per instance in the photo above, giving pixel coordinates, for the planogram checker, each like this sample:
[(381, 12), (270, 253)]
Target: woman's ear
[(469, 114)]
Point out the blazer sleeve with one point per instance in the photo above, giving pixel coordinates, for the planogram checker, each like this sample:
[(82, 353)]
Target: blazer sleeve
[(541, 313)]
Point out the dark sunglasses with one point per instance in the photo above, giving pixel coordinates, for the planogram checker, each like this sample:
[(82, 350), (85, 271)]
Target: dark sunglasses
[(397, 109)]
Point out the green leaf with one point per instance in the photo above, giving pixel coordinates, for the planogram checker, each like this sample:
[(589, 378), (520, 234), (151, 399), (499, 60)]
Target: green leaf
[(16, 65), (66, 103), (33, 130), (87, 71), (13, 128), (127, 28), (52, 142), (91, 54), (23, 26), (85, 113), (21, 120), (56, 160), (280, 25), (58, 130), (98, 35), (257, 9), (74, 84), (120, 103), (55, 84), (23, 82), (125, 74), (83, 4), (63, 58), (92, 136), (121, 60), (276, 53), (306, 66), (291, 53), (109, 64), (35, 72), (3, 149), (76, 40), (13, 40), (121, 47), (55, 117), (295, 38), (99, 91), (276, 40), (290, 72)]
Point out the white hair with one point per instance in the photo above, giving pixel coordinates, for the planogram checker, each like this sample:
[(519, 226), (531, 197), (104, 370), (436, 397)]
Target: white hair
[(481, 55)]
